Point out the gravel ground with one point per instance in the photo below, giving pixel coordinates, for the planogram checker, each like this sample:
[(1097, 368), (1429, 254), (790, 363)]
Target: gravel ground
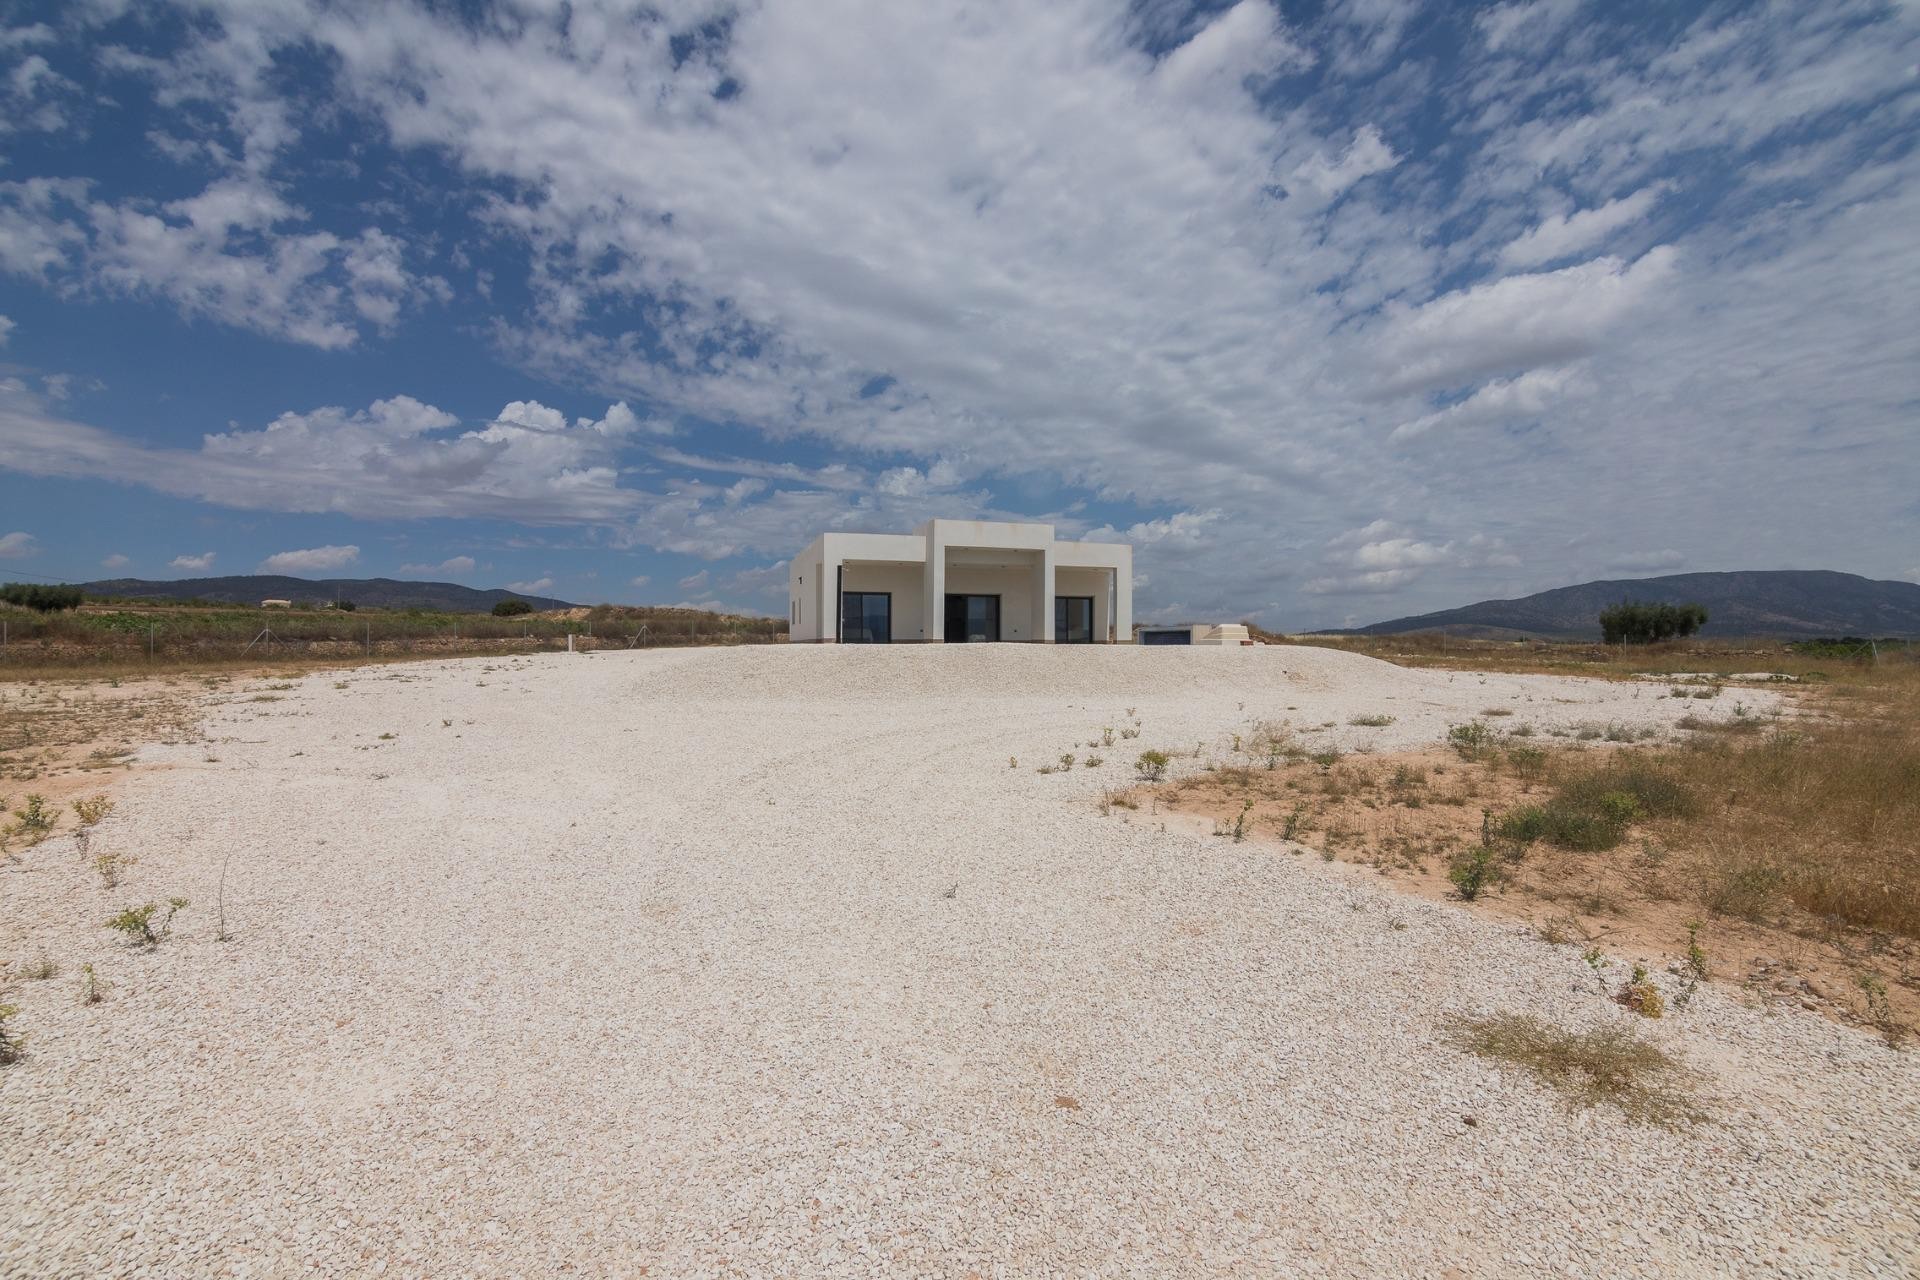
[(762, 962)]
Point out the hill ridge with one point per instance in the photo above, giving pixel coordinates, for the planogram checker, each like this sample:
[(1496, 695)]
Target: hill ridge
[(1785, 602), (379, 593)]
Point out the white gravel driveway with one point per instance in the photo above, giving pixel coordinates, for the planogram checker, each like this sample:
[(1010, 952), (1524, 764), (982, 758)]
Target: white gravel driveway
[(764, 962)]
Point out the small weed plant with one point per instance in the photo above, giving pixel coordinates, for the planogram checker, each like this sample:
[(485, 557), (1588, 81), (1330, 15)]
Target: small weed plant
[(111, 867), (1152, 765), (91, 810), (33, 820), (140, 923), (10, 1043), (1641, 996)]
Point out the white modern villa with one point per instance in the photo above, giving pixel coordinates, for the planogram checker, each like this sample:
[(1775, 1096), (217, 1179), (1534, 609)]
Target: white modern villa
[(961, 580)]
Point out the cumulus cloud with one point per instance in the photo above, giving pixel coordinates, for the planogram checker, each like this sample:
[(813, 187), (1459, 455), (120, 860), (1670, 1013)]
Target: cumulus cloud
[(18, 545), (6, 330), (192, 564), (396, 457), (1382, 557), (950, 258), (310, 560), (538, 586), (115, 561)]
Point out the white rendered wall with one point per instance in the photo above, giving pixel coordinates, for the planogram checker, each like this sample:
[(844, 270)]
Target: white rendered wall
[(1014, 587), (1097, 583), (903, 580)]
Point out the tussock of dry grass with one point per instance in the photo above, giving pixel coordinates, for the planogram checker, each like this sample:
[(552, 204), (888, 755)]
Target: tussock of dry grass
[(1608, 1065), (1826, 811)]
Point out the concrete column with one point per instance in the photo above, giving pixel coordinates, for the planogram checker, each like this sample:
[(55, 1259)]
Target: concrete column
[(1123, 604), (827, 593), (1103, 610), (1043, 606), (934, 602)]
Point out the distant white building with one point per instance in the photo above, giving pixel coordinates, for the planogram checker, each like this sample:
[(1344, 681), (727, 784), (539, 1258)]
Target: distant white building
[(961, 580), (276, 604)]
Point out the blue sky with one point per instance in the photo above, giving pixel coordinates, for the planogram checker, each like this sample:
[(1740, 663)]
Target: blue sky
[(1336, 311)]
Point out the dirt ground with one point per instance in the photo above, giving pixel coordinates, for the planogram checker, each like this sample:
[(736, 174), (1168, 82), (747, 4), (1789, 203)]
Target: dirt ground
[(1405, 815), (65, 739)]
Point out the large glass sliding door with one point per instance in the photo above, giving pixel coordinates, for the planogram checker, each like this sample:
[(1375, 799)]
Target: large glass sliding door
[(1073, 620), (866, 617), (972, 618)]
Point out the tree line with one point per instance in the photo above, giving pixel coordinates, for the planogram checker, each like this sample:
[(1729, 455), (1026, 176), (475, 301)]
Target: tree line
[(1639, 622)]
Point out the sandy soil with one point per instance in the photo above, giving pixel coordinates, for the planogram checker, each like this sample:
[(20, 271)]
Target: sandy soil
[(764, 961)]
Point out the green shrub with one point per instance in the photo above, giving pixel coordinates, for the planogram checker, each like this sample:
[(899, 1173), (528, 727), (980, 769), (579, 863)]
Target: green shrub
[(1631, 622), (1470, 739), (1152, 765), (41, 597), (511, 608), (1524, 825), (1473, 872), (1655, 794)]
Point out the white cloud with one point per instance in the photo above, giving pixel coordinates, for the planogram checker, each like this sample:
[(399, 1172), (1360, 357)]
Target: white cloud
[(1382, 557), (765, 581), (694, 581), (1564, 235), (453, 565), (1516, 322), (6, 330), (538, 586), (397, 457), (959, 244), (310, 560), (192, 564), (18, 545), (1367, 154), (115, 561), (639, 580), (1501, 400)]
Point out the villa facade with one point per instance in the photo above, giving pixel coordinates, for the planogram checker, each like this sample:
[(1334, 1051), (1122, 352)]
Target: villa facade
[(961, 581)]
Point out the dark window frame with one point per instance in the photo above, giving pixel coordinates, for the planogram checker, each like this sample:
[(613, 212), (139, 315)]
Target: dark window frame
[(865, 632), (999, 615), (1059, 619)]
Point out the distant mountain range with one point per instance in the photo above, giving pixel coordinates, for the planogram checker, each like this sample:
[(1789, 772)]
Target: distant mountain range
[(374, 593), (1766, 602)]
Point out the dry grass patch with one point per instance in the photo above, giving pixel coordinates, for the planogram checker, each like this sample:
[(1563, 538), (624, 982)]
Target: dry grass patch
[(1609, 1065), (1796, 839)]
